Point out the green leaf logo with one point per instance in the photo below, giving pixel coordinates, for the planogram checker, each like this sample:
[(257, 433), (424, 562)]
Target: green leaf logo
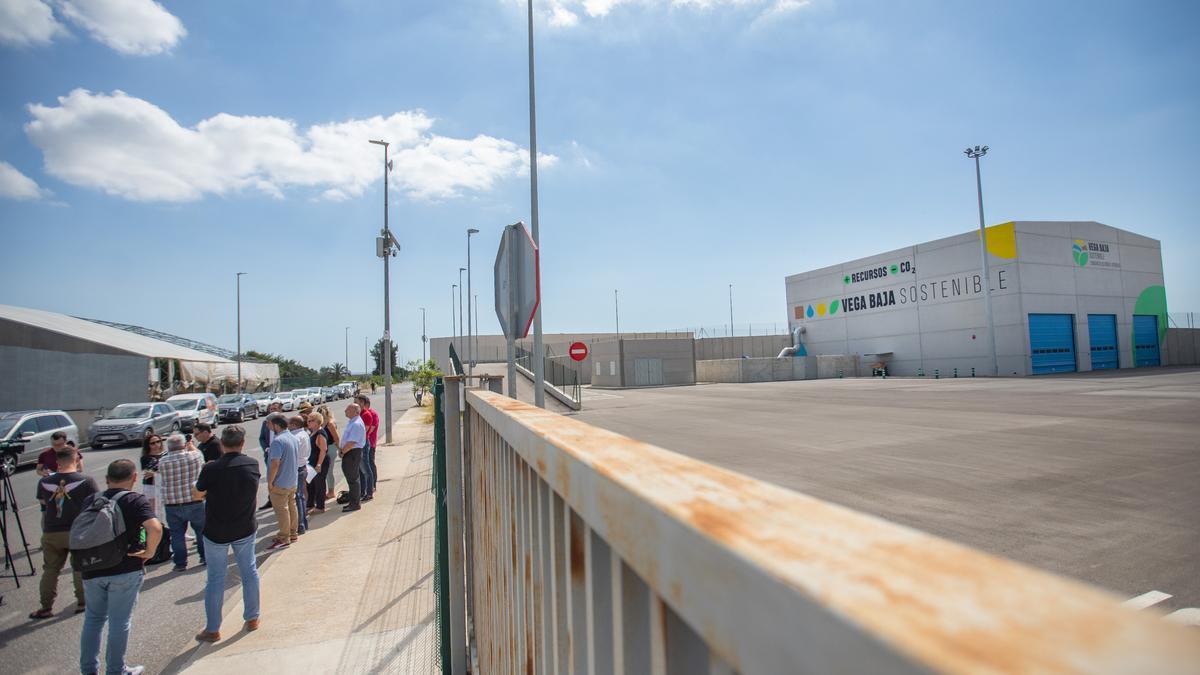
[(833, 307)]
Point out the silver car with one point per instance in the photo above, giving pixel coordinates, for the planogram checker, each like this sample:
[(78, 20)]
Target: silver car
[(23, 435), (131, 422)]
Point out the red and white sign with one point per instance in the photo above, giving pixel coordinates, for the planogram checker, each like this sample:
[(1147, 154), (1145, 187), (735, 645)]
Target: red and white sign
[(578, 351)]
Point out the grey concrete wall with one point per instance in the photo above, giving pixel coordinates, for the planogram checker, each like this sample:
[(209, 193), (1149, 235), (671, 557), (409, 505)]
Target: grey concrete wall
[(756, 346), (605, 358), (830, 366), (678, 358), (1184, 345), (756, 370), (492, 348), (39, 378)]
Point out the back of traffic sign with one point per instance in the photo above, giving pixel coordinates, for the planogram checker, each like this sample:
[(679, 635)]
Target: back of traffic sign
[(518, 287)]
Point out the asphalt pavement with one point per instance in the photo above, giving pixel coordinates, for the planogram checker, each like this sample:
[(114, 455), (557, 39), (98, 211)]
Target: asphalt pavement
[(170, 607)]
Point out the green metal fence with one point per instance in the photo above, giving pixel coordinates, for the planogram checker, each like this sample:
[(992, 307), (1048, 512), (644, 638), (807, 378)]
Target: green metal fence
[(441, 553)]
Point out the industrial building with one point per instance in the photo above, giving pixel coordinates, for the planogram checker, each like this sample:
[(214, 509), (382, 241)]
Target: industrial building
[(1066, 296), (55, 361)]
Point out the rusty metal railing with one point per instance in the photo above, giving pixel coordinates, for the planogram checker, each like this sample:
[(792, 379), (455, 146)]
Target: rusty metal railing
[(587, 552)]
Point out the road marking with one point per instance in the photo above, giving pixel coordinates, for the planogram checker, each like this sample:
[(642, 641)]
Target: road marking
[(1188, 616), (1145, 600)]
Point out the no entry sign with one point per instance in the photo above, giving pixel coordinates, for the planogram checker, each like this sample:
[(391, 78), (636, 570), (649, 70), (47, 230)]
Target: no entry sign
[(578, 351)]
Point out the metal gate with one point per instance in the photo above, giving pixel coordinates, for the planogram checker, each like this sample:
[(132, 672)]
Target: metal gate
[(1145, 340), (1102, 336), (647, 372), (1052, 343)]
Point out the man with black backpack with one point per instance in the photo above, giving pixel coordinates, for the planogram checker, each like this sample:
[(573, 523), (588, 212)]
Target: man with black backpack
[(111, 539)]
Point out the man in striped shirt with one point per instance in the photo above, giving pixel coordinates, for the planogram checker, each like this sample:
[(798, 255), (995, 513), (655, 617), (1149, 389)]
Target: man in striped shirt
[(176, 477)]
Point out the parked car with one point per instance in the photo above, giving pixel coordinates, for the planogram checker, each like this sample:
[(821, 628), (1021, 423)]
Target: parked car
[(131, 422), (286, 399), (237, 407), (316, 396), (329, 393), (302, 396), (263, 400), (23, 435), (194, 408), (350, 387)]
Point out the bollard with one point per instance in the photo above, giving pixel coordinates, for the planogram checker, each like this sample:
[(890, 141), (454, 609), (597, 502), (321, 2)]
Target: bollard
[(937, 373), (972, 372), (885, 372), (920, 372), (840, 373), (956, 372)]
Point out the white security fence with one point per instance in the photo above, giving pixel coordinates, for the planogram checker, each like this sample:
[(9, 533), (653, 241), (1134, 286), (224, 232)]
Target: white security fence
[(577, 550)]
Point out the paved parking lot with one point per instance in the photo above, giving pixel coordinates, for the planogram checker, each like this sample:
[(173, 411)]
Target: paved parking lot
[(1093, 476)]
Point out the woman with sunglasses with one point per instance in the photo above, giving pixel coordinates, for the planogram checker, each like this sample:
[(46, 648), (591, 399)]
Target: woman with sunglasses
[(152, 451)]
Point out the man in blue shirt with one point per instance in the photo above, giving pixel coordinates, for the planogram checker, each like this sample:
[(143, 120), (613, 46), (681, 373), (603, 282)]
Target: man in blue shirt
[(353, 440), (282, 474)]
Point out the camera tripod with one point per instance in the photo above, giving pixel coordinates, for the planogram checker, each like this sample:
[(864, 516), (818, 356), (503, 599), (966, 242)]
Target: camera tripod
[(8, 501)]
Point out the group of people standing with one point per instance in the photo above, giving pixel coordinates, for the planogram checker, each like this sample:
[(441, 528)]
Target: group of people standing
[(209, 485)]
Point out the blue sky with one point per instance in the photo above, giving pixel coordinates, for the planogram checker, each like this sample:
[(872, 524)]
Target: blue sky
[(150, 151)]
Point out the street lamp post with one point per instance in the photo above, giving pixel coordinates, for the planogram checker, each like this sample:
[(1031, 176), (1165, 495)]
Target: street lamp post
[(461, 334), (617, 311), (347, 340), (475, 347), (975, 153), (730, 310), (239, 331), (539, 365), (470, 332), (454, 331), (423, 338), (366, 355), (388, 240)]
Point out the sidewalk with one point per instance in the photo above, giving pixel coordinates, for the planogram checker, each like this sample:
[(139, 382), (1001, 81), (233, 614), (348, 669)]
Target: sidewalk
[(355, 594)]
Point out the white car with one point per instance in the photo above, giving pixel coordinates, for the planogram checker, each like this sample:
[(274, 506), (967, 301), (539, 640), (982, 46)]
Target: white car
[(286, 399), (302, 397), (263, 400), (193, 408)]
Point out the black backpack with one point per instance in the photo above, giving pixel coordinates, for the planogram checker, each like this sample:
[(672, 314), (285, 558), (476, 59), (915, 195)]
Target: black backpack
[(98, 537)]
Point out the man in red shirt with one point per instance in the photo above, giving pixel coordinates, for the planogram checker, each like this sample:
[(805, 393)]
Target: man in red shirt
[(47, 463), (368, 474)]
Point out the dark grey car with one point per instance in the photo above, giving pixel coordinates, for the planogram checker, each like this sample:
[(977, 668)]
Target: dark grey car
[(131, 422), (236, 407)]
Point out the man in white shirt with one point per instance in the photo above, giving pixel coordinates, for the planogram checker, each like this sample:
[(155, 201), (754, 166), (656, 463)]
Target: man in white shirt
[(353, 440), (299, 429)]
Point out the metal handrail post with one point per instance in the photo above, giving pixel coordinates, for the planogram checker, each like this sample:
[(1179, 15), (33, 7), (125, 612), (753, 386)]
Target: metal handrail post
[(454, 517)]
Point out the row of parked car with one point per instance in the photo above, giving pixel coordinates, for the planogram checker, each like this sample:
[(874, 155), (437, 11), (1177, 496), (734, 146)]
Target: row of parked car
[(24, 434)]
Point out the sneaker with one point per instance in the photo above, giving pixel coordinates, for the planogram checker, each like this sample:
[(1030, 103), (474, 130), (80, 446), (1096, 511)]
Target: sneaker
[(134, 670), (302, 530), (278, 545)]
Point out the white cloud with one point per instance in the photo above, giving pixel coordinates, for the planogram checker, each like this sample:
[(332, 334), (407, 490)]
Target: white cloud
[(567, 13), (136, 27), (131, 148), (28, 22), (16, 185)]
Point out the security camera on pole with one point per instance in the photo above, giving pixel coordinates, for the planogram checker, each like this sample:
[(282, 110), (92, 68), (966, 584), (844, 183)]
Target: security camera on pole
[(386, 247)]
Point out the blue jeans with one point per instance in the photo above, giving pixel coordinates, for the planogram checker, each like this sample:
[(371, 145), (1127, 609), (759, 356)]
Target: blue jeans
[(179, 516), (301, 497), (111, 600), (366, 471), (214, 590)]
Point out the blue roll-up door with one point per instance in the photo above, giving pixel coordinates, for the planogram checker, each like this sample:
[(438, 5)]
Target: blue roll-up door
[(1145, 340), (1052, 343), (1102, 334)]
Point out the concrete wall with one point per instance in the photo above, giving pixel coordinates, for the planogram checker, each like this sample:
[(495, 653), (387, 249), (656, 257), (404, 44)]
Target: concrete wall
[(493, 349), (924, 304), (756, 346), (756, 370), (615, 361), (1184, 345)]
